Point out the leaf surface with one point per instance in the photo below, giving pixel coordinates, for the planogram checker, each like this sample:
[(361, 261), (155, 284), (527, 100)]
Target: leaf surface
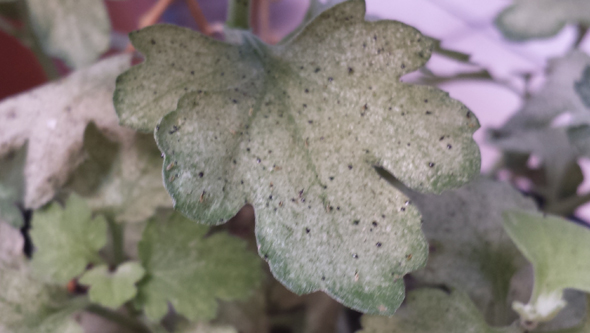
[(528, 19), (52, 119), (77, 31), (12, 186), (190, 271), (559, 252), (433, 311), (113, 289), (296, 130), (66, 240)]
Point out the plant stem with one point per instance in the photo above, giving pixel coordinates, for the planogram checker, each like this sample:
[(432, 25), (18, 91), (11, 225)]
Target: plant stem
[(238, 15), (153, 14), (117, 238), (199, 17), (116, 317), (35, 46)]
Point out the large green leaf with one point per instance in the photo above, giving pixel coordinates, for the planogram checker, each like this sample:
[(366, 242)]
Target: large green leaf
[(66, 240), (433, 311), (52, 119), (26, 304), (189, 271), (559, 252), (296, 130), (527, 19), (12, 187), (121, 176), (113, 289), (77, 31), (469, 248)]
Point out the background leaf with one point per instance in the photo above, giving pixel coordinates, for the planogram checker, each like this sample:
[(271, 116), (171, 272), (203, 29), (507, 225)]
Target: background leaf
[(190, 271), (52, 119), (66, 240), (113, 289), (296, 131), (559, 253)]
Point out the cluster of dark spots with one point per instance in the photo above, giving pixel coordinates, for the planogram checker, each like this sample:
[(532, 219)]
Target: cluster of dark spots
[(356, 222), (428, 113), (449, 146), (378, 244), (431, 164), (374, 223), (173, 130), (307, 230)]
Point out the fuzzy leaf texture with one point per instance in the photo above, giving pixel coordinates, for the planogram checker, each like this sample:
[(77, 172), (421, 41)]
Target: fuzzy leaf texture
[(559, 252), (296, 130), (530, 19), (433, 311), (52, 119), (190, 271), (67, 239), (113, 289), (77, 31), (28, 305)]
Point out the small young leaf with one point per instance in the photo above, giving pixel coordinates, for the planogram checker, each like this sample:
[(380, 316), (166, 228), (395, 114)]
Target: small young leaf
[(527, 19), (52, 119), (189, 271), (77, 31), (433, 311), (113, 289), (559, 252), (66, 240), (296, 130), (469, 248)]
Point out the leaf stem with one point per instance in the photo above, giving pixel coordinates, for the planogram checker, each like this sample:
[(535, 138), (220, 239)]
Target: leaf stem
[(131, 323), (117, 233), (238, 14)]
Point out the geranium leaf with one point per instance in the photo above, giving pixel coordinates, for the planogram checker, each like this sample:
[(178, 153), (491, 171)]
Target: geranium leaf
[(52, 119), (27, 305), (190, 271), (469, 248), (433, 311), (296, 130), (559, 252), (77, 31), (527, 19), (113, 289), (66, 240)]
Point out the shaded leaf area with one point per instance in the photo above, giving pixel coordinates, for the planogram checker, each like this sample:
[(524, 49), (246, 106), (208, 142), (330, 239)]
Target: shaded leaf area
[(113, 289), (469, 249), (28, 305), (530, 19), (121, 176), (52, 119), (189, 270), (559, 252), (296, 130), (12, 187), (77, 31), (433, 311), (66, 240)]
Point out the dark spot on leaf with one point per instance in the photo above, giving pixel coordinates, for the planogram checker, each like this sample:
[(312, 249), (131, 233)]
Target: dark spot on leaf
[(403, 66), (153, 42), (306, 91), (350, 70), (441, 138), (403, 209), (307, 230), (323, 278), (201, 174), (431, 164), (173, 130), (428, 112), (317, 70), (331, 178), (258, 160), (378, 244), (374, 223), (350, 167), (310, 121), (356, 222), (355, 256), (330, 79), (449, 146)]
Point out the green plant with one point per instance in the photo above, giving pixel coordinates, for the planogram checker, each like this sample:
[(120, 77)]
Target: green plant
[(363, 187)]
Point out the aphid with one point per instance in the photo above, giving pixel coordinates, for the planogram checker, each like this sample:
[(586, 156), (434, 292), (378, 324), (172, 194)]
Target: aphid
[(170, 166)]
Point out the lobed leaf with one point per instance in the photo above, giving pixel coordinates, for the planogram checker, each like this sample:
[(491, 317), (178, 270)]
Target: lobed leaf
[(559, 252), (190, 271), (77, 31), (113, 289), (528, 19), (66, 240), (433, 311), (52, 119), (296, 130)]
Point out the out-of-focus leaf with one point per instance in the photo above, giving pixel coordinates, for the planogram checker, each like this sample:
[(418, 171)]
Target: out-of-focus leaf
[(52, 119), (113, 289), (12, 187), (433, 311), (296, 130), (77, 31), (206, 328), (559, 252), (66, 240), (26, 304), (528, 19), (190, 271), (122, 175), (469, 248)]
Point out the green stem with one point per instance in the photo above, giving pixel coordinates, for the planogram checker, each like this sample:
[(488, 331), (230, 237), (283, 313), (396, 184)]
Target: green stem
[(45, 61), (117, 234), (238, 14), (121, 319), (567, 206)]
